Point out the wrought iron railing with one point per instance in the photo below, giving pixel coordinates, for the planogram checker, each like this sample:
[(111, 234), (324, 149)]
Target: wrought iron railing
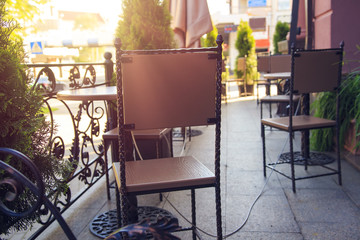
[(78, 139)]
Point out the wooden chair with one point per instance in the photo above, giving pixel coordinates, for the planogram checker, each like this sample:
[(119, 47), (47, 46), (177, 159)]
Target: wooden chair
[(263, 66), (312, 71), (279, 64), (168, 88)]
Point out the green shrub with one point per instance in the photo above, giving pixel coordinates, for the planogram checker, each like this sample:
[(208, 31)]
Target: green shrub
[(245, 44), (281, 30), (324, 106), (23, 126)]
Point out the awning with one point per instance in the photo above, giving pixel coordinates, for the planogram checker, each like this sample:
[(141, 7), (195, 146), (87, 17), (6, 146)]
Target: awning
[(262, 43)]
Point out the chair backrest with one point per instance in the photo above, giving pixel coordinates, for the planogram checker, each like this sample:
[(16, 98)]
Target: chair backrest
[(317, 70), (263, 64), (168, 90), (280, 63)]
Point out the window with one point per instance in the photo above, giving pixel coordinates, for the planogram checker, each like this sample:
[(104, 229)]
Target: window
[(283, 4)]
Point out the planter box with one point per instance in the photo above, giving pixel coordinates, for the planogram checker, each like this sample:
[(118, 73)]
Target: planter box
[(351, 140)]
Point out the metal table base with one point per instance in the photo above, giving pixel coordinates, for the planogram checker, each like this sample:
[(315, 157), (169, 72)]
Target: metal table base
[(106, 223), (315, 158)]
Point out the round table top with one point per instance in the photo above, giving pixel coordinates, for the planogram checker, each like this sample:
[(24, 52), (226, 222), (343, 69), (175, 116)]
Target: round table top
[(88, 94), (279, 75)]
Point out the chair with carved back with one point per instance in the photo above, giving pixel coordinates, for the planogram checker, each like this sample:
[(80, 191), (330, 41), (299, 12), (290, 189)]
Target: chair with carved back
[(312, 71), (167, 89)]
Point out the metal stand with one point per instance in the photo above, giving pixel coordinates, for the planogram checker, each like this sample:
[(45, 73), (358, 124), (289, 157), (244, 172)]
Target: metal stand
[(315, 158), (106, 223)]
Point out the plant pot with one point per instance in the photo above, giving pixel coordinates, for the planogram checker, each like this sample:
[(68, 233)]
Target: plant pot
[(249, 89), (351, 140)]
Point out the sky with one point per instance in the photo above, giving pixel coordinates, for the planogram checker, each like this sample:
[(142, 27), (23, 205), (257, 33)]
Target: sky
[(113, 7)]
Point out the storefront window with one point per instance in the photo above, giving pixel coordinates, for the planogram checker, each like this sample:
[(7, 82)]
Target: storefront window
[(283, 4)]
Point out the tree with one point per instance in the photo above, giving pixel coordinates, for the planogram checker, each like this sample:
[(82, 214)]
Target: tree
[(210, 38), (281, 31), (245, 44), (145, 25), (24, 10)]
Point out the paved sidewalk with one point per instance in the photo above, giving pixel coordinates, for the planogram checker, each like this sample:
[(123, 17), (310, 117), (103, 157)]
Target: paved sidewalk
[(321, 209)]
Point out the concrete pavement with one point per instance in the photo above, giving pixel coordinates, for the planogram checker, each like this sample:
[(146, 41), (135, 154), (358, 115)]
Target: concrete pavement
[(320, 209)]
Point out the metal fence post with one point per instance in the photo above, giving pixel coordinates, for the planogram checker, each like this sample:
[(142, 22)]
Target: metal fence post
[(109, 68)]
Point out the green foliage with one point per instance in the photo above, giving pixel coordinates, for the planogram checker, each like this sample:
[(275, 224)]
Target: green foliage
[(324, 106), (24, 10), (145, 25), (281, 31), (23, 127), (210, 38), (245, 44)]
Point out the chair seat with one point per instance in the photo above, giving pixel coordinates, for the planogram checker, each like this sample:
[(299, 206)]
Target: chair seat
[(301, 122), (165, 174), (279, 98)]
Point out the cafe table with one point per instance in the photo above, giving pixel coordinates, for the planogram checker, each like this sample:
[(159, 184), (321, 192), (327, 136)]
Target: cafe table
[(277, 76), (87, 97), (90, 130), (105, 93)]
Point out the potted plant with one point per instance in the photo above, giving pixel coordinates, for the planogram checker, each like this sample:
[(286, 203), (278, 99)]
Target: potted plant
[(23, 127), (245, 44), (325, 106)]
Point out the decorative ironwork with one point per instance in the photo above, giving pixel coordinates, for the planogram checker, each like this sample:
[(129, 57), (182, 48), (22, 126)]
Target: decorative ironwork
[(86, 81), (84, 127), (49, 84)]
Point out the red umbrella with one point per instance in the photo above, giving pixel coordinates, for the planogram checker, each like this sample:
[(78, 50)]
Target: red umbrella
[(191, 19)]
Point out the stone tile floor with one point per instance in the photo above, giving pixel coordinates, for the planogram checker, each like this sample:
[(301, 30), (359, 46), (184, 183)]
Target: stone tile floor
[(320, 209)]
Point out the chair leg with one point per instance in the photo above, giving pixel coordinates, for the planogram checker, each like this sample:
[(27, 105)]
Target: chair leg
[(193, 213), (292, 162), (107, 169), (264, 150), (218, 210), (118, 209), (338, 160)]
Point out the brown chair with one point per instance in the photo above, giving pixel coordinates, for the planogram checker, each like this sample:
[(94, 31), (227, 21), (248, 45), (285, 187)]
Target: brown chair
[(263, 66), (312, 71), (279, 64), (168, 89)]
